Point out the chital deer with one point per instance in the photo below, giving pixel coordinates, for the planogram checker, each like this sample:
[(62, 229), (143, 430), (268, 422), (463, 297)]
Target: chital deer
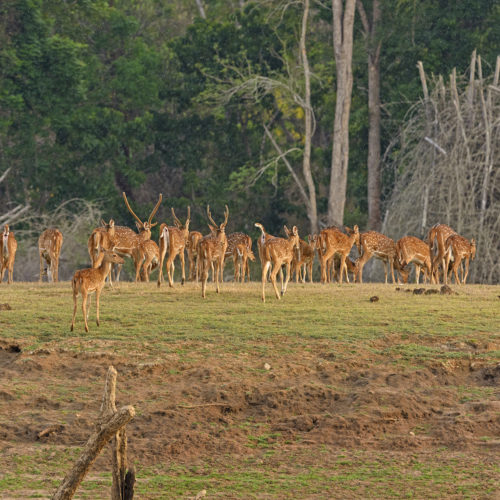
[(191, 247), (212, 248), (8, 249), (458, 248), (438, 234), (303, 259), (334, 242), (174, 240), (102, 238), (410, 249), (87, 281), (380, 246), (334, 265), (260, 246), (146, 254), (239, 247), (277, 252), (49, 248), (126, 240)]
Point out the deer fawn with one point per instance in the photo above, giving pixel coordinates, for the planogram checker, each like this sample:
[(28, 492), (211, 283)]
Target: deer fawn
[(212, 248), (49, 248), (458, 248), (410, 249), (277, 252), (8, 249), (438, 234), (91, 280), (174, 240)]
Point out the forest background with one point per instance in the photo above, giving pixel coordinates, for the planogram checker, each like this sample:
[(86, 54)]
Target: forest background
[(233, 102)]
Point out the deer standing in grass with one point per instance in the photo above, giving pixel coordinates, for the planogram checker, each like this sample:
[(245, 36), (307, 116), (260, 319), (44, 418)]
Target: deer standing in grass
[(191, 246), (87, 281), (174, 240), (146, 254), (334, 241), (277, 252), (239, 247), (49, 248), (127, 241), (8, 249), (212, 248), (438, 234), (410, 249), (458, 248), (303, 259), (102, 238), (378, 245)]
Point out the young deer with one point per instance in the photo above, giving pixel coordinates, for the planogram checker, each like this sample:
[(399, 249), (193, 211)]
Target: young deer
[(147, 254), (239, 247), (49, 248), (277, 252), (458, 248), (438, 234), (212, 248), (191, 246), (410, 249), (8, 249), (381, 247), (303, 259), (102, 238), (334, 242), (174, 240), (86, 281)]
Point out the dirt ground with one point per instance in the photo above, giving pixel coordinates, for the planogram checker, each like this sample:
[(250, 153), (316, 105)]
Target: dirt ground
[(187, 411)]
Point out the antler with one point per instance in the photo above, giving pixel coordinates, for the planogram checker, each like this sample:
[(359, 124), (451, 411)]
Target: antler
[(155, 209), (189, 215), (130, 209), (210, 216), (226, 216), (176, 220)]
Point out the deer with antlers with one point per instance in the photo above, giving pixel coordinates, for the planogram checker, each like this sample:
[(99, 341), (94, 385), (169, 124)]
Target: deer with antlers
[(8, 249), (239, 247), (333, 241), (49, 248), (147, 255), (438, 234), (277, 252), (88, 281), (126, 241), (191, 247), (173, 239), (212, 248), (410, 249), (458, 248)]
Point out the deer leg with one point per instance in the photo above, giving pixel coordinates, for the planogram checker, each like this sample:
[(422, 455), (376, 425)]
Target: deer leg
[(204, 276), (466, 270), (41, 267), (265, 269), (84, 308), (97, 296), (183, 266), (11, 271), (75, 296), (361, 262), (274, 272), (163, 251), (288, 269), (170, 268)]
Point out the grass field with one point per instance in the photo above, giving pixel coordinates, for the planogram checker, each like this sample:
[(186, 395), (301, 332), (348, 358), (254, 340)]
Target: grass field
[(397, 398)]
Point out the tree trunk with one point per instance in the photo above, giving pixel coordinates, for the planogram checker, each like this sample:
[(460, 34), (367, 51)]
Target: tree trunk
[(343, 24)]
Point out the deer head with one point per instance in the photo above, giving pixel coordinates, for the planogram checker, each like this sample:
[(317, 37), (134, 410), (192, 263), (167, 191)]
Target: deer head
[(182, 227), (216, 229), (144, 226)]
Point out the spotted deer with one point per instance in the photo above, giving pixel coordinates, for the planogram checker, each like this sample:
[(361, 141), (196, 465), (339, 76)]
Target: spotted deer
[(191, 247), (277, 252), (8, 249), (438, 234), (303, 259), (458, 248), (334, 241), (333, 266), (173, 239), (49, 249), (147, 256), (212, 248), (411, 249), (126, 241), (88, 281), (378, 245), (239, 247), (101, 239)]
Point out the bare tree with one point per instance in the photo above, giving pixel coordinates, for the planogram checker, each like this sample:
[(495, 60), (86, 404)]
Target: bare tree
[(449, 176), (343, 27)]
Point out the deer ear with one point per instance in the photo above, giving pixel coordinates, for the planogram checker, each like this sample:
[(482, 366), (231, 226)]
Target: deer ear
[(356, 229), (295, 230)]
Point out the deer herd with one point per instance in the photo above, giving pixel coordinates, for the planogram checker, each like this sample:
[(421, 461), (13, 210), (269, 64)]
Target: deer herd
[(439, 258)]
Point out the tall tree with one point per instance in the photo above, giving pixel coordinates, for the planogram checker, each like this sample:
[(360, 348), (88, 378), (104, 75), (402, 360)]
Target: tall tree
[(343, 27)]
